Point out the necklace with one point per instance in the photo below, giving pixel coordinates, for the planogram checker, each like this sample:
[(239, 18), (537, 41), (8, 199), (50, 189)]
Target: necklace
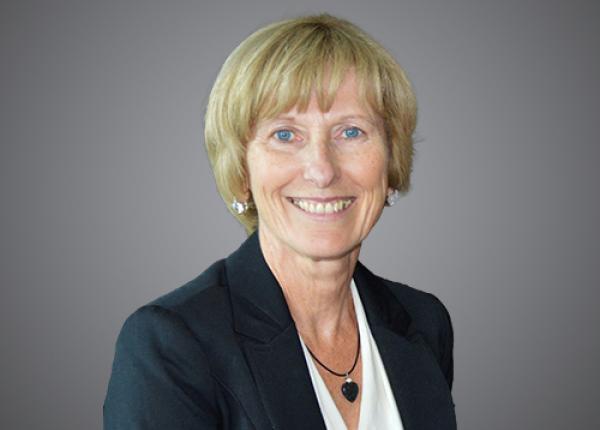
[(349, 387)]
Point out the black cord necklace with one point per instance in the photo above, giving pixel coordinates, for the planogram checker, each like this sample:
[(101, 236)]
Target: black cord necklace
[(349, 387)]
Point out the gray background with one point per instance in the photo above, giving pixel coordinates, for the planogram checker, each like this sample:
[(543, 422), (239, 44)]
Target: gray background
[(108, 201)]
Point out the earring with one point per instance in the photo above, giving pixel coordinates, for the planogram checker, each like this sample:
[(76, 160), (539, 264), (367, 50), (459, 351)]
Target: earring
[(393, 196), (240, 207)]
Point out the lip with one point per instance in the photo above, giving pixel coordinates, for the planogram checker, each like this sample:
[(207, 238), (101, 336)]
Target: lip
[(323, 216), (322, 199)]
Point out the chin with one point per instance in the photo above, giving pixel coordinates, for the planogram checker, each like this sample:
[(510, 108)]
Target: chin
[(326, 246)]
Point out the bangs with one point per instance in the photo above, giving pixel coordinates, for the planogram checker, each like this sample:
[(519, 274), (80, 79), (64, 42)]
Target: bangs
[(311, 60)]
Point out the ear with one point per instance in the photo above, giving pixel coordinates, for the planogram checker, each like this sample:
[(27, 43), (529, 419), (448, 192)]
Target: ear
[(245, 193), (245, 179)]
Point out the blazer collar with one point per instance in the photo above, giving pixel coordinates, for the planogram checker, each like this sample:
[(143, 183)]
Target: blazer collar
[(259, 307), (274, 354), (261, 312), (270, 341), (381, 306)]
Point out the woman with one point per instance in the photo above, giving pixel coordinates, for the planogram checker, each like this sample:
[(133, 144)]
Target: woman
[(309, 133)]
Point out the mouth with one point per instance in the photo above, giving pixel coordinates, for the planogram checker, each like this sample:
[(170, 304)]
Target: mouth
[(322, 206)]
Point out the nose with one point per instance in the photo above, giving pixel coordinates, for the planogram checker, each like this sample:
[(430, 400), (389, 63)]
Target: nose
[(321, 165)]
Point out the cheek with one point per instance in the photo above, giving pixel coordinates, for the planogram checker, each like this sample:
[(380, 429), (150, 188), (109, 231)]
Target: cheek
[(371, 171), (267, 172), (256, 163)]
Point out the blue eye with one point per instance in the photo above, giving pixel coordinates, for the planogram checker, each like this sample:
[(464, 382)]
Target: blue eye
[(284, 135), (352, 132)]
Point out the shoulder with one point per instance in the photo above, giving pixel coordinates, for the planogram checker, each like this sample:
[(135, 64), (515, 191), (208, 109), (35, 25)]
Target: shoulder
[(200, 303), (163, 369), (200, 308), (206, 289), (425, 309), (179, 312), (430, 319)]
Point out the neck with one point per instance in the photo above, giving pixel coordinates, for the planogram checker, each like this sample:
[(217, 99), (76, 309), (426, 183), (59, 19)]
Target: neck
[(316, 290)]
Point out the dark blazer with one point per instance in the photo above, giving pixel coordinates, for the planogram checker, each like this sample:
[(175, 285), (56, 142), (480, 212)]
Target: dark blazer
[(222, 352)]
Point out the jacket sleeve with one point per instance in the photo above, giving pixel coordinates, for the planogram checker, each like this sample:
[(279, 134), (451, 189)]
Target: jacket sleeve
[(160, 377)]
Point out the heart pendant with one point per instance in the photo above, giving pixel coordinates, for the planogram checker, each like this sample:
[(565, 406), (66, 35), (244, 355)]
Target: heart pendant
[(350, 390)]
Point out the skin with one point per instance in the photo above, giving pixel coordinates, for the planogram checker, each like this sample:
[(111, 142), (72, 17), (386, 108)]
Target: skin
[(318, 156)]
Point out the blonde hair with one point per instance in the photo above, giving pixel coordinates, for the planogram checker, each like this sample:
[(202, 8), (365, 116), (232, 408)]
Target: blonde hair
[(277, 68)]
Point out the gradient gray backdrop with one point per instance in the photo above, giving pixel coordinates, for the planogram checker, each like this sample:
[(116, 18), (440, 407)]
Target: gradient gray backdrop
[(108, 201)]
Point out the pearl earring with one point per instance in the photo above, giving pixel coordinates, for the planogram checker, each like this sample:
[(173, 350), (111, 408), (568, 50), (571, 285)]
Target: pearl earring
[(240, 207), (393, 196)]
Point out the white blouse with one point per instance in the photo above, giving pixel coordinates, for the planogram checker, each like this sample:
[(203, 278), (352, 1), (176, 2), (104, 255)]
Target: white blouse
[(378, 407)]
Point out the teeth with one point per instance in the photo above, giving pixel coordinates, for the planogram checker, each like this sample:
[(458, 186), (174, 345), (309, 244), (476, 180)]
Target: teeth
[(322, 208)]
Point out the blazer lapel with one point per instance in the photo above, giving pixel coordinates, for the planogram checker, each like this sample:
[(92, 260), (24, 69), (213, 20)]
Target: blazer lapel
[(270, 341), (276, 361), (419, 386)]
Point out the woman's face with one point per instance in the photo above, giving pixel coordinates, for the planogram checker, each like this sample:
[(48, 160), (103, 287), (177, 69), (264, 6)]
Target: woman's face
[(319, 179)]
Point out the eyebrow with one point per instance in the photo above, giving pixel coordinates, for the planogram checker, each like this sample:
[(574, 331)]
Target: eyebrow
[(369, 119)]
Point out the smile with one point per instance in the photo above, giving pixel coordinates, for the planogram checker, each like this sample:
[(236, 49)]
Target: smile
[(328, 207)]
